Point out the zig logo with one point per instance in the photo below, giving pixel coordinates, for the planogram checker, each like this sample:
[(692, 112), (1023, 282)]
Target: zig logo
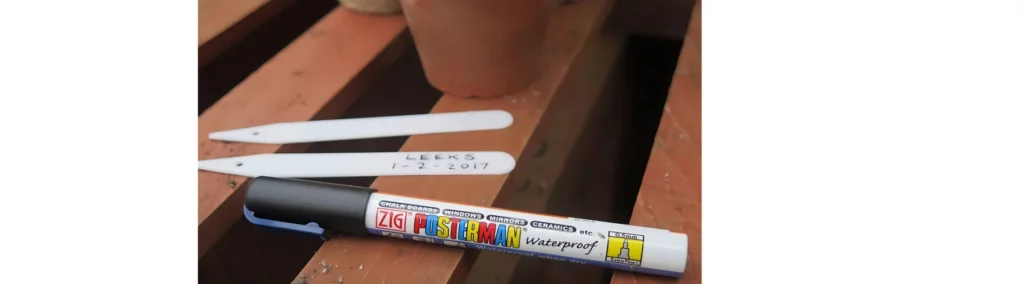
[(625, 248), (390, 219)]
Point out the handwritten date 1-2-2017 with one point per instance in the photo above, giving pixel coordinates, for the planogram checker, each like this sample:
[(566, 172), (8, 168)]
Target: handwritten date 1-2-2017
[(450, 161), (450, 166)]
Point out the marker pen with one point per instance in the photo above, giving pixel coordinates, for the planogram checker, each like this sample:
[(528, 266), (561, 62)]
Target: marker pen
[(327, 210)]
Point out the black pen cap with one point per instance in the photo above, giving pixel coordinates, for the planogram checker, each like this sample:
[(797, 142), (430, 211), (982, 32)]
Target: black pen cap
[(336, 208)]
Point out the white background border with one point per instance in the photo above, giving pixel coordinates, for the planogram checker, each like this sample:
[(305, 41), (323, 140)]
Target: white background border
[(845, 141)]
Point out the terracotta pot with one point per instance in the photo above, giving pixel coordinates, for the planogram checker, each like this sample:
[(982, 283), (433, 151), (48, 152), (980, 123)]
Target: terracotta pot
[(479, 48)]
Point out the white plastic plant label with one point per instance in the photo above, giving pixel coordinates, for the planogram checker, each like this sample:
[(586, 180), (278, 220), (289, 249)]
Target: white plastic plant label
[(320, 165)]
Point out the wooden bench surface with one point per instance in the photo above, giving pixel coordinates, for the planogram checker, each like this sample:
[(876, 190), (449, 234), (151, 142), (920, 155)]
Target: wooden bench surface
[(670, 196), (323, 71), (224, 22), (565, 91), (317, 76)]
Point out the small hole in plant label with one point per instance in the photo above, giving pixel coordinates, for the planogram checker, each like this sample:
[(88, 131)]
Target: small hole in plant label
[(238, 164), (255, 133)]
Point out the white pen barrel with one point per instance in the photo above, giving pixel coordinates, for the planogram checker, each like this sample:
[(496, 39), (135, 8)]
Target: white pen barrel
[(329, 209), (616, 246)]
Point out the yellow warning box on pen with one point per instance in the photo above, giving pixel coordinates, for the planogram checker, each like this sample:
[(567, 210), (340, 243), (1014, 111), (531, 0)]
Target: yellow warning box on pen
[(625, 248)]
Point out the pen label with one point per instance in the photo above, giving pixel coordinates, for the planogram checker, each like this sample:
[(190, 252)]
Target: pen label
[(625, 248), (410, 207), (393, 220), (506, 220), (393, 235), (586, 260), (468, 230), (553, 226), (551, 237), (582, 220), (463, 214), (582, 247)]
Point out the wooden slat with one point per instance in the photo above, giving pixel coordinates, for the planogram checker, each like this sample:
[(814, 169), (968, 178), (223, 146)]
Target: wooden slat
[(580, 100), (224, 22), (550, 100), (670, 196), (577, 180), (315, 77)]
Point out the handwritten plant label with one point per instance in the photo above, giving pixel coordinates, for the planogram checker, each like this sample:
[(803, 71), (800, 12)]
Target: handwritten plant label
[(312, 165), (444, 161)]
